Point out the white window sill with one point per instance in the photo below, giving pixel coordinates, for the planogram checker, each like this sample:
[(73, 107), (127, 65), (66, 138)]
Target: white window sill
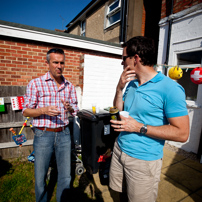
[(112, 24), (192, 104)]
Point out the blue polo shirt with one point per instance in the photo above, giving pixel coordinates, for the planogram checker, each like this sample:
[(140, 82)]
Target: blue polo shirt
[(151, 103)]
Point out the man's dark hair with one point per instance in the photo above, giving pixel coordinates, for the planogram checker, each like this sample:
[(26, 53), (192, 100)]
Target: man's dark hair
[(142, 46), (54, 50)]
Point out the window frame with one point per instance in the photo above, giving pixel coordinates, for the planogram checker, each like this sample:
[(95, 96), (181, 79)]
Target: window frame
[(83, 31), (190, 103), (113, 12)]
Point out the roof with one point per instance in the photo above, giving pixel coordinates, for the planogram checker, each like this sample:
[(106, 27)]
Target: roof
[(83, 12), (16, 30)]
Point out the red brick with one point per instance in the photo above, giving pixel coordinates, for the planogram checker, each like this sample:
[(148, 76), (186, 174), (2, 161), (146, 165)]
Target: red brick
[(21, 80), (17, 55), (10, 65), (22, 44), (16, 62), (5, 83), (22, 66), (23, 59), (16, 47), (27, 56), (21, 52), (10, 51), (15, 76), (6, 61), (10, 42)]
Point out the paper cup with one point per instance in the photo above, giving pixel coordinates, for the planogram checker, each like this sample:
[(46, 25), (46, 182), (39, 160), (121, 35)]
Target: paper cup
[(124, 113)]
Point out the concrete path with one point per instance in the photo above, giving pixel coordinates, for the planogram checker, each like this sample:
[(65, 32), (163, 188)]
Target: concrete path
[(181, 181)]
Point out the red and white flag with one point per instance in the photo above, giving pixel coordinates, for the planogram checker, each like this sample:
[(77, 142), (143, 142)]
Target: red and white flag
[(17, 102)]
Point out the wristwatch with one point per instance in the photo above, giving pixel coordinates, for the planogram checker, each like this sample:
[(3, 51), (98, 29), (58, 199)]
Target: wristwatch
[(143, 130)]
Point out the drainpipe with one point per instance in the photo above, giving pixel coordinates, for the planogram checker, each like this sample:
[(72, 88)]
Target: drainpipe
[(169, 36), (124, 14)]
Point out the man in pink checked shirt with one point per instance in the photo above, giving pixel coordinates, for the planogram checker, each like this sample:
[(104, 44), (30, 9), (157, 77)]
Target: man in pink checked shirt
[(48, 100)]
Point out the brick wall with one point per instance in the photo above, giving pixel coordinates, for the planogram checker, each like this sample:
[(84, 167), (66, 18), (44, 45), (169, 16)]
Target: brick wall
[(179, 5), (23, 60)]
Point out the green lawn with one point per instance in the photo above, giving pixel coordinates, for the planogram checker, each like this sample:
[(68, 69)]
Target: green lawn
[(17, 184)]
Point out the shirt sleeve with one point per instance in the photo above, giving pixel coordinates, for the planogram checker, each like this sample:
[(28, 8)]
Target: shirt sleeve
[(175, 104), (30, 97)]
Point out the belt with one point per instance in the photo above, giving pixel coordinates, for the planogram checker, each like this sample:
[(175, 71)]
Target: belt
[(52, 129)]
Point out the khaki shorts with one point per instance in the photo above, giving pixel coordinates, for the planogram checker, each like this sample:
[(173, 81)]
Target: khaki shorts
[(138, 177)]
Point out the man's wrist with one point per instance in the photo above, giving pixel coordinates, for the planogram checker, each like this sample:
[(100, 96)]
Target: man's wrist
[(41, 111), (143, 129)]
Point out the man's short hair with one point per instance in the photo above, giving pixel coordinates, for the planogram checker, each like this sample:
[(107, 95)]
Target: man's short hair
[(54, 50), (142, 46)]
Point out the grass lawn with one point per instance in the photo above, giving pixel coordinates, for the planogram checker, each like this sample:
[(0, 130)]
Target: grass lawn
[(17, 183)]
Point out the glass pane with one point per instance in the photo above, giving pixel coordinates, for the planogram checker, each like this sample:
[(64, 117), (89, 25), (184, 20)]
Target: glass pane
[(113, 6), (83, 25), (114, 18), (189, 87), (189, 58)]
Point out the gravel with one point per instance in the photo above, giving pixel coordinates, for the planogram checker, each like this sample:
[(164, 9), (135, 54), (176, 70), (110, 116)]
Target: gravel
[(182, 152)]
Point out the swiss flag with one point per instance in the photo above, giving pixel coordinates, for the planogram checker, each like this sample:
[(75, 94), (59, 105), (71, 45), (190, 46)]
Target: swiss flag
[(17, 102), (196, 75)]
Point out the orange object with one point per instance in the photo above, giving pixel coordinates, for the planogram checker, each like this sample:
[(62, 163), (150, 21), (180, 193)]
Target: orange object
[(11, 129)]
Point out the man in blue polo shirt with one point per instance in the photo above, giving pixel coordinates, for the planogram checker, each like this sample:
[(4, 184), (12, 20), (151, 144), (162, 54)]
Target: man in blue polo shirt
[(157, 109)]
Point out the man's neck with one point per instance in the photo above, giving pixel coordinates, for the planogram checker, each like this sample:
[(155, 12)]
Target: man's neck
[(145, 74)]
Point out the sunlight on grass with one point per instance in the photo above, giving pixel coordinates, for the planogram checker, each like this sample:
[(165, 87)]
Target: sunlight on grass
[(17, 184)]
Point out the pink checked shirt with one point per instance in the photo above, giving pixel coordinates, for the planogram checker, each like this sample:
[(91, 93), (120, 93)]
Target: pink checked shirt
[(43, 92)]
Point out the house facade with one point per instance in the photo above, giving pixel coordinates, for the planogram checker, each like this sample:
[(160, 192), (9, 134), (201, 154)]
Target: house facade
[(180, 43), (116, 20)]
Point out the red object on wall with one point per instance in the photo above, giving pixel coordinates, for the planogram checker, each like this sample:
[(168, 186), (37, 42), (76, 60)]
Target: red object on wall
[(17, 102), (196, 75)]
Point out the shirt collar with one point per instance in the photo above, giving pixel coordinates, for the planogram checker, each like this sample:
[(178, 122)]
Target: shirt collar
[(155, 79), (48, 77)]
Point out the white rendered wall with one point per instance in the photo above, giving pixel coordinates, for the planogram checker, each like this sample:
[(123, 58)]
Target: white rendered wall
[(101, 76), (186, 36)]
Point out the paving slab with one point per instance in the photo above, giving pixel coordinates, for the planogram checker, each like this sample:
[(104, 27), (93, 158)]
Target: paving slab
[(193, 164), (168, 161), (173, 155), (171, 191), (199, 192), (181, 181), (192, 198), (184, 175)]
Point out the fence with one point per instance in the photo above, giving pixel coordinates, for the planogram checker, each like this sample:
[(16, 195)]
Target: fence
[(13, 119)]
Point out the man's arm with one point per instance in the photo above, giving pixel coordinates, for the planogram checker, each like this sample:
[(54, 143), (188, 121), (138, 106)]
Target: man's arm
[(50, 111), (178, 130), (118, 100), (126, 76)]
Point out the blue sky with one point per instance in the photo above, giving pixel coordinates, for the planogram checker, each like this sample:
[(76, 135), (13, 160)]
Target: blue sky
[(47, 14)]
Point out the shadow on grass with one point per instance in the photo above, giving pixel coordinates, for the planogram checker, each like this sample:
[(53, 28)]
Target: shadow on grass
[(83, 187), (5, 167)]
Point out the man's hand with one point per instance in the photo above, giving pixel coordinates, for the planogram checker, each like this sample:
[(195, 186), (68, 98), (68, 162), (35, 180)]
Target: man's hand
[(67, 106), (126, 76), (126, 124), (51, 110)]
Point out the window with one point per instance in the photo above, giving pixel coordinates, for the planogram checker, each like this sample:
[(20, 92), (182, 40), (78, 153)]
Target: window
[(83, 28), (113, 13), (189, 61)]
